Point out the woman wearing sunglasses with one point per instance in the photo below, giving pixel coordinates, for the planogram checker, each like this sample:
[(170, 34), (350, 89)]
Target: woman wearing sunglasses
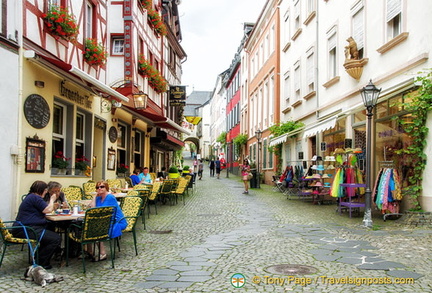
[(102, 199)]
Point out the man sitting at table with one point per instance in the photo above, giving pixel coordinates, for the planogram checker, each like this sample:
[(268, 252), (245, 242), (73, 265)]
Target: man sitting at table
[(146, 178), (134, 177), (32, 213)]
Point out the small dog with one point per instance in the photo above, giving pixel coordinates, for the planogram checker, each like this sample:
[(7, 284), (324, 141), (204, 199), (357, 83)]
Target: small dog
[(40, 276)]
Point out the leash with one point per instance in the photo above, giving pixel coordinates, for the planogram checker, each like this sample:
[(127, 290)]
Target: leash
[(32, 251)]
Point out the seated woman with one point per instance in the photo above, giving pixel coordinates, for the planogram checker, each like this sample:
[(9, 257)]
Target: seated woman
[(32, 213), (60, 201), (102, 199), (134, 177), (163, 174)]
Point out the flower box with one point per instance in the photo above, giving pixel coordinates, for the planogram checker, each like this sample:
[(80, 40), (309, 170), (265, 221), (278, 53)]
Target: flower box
[(94, 53), (61, 23)]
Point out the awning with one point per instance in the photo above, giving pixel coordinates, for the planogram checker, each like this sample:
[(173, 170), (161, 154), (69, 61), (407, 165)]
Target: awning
[(320, 127), (50, 62), (175, 140), (278, 140), (168, 123)]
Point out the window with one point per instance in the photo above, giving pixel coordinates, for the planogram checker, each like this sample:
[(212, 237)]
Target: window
[(89, 19), (332, 56), (310, 6), (287, 89), (297, 15), (80, 136), (138, 146), (358, 30), (286, 27), (122, 145), (297, 81), (117, 46), (393, 18), (265, 153), (59, 122), (310, 72)]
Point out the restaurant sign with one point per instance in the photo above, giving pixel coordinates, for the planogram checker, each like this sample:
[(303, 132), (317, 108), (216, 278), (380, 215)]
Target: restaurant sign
[(177, 95), (75, 96)]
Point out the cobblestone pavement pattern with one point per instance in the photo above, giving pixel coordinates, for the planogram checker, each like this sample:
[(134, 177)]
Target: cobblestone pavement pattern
[(199, 246)]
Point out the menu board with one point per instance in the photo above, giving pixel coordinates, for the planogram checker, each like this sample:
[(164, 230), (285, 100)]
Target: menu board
[(36, 111)]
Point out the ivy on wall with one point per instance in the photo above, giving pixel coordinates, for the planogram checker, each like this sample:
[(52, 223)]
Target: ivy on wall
[(419, 106)]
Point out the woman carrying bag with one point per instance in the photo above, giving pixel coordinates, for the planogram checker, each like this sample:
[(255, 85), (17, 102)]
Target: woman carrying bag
[(246, 175)]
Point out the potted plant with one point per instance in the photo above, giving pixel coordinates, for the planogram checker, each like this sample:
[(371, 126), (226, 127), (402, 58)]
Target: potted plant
[(186, 169), (173, 172), (60, 23), (122, 169), (81, 165), (59, 163), (94, 52)]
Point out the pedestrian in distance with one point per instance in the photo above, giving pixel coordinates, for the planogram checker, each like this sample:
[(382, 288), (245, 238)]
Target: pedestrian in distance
[(212, 168), (200, 169), (245, 170), (218, 168)]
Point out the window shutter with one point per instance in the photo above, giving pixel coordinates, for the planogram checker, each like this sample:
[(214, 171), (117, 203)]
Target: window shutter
[(393, 8), (358, 29), (310, 69)]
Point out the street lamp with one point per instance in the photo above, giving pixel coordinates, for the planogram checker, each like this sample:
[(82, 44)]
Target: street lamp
[(227, 158), (258, 135), (140, 100), (369, 95)]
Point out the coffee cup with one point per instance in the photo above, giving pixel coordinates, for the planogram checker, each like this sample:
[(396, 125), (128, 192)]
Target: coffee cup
[(66, 211)]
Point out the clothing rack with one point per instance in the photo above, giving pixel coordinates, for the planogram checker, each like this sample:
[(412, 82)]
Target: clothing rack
[(383, 166)]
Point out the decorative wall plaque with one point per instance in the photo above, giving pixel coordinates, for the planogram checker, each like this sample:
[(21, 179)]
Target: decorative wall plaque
[(113, 135)]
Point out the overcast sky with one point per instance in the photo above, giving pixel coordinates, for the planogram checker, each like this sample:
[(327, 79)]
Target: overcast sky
[(212, 31)]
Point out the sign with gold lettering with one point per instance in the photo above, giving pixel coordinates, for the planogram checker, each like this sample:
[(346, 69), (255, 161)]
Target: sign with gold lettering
[(75, 96), (177, 95)]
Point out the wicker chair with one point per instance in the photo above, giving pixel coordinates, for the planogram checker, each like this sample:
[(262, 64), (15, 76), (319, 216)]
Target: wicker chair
[(153, 196), (95, 228), (114, 183), (88, 188), (168, 186), (8, 239), (180, 190), (72, 194), (132, 208)]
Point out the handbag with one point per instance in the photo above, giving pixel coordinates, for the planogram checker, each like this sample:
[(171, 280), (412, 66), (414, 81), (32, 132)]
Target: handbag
[(249, 176)]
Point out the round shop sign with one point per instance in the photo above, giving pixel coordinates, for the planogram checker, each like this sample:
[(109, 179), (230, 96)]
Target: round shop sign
[(36, 111)]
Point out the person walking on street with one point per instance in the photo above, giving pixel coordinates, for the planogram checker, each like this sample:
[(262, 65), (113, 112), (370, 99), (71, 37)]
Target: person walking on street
[(245, 169), (218, 168), (200, 169), (212, 168)]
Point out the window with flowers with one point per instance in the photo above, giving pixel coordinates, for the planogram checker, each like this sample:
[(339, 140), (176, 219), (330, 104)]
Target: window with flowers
[(60, 161), (94, 52), (154, 18), (155, 79), (81, 163), (61, 23)]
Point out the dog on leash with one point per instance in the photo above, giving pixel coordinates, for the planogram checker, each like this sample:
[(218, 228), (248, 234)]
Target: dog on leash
[(40, 276)]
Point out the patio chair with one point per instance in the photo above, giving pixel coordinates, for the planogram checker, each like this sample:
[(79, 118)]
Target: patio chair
[(94, 228), (165, 193), (88, 188), (180, 190), (132, 209), (8, 239), (73, 194), (153, 196), (114, 183)]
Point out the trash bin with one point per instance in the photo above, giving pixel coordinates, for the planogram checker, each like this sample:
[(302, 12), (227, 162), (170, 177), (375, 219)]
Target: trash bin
[(254, 181)]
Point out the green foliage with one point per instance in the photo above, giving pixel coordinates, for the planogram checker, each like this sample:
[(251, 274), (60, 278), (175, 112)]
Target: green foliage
[(173, 169), (239, 141), (278, 130), (419, 105), (222, 139)]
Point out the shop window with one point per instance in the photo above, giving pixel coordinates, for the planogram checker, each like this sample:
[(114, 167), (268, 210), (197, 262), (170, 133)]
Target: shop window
[(335, 137), (265, 153), (59, 131), (80, 136)]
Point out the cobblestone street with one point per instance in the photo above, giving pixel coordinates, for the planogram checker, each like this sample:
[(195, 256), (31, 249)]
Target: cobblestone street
[(219, 232)]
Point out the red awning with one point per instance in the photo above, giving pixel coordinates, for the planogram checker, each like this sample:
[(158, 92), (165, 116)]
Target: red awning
[(175, 140)]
